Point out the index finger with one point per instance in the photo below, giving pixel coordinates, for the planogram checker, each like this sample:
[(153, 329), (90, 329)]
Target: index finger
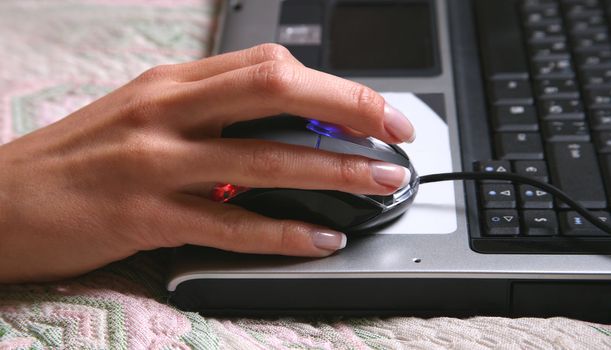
[(276, 87)]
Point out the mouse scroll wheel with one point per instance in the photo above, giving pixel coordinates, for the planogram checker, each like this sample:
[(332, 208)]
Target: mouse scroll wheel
[(224, 192)]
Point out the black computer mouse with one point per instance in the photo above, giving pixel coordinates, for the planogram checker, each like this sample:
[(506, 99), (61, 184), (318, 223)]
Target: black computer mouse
[(346, 212)]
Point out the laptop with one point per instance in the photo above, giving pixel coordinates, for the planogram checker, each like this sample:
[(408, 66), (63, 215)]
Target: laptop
[(500, 86)]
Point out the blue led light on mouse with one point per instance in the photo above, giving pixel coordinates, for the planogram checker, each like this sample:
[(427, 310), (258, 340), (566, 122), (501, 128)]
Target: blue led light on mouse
[(323, 129), (337, 132)]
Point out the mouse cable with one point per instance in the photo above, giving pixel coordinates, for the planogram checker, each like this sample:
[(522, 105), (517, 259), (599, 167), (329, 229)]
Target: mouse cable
[(554, 191)]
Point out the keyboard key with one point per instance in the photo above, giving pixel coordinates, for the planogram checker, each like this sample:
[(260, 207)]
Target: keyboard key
[(595, 3), (600, 119), (493, 166), (549, 51), (495, 196), (539, 223), (594, 59), (547, 32), (574, 169), (587, 24), (566, 131), (506, 58), (596, 77), (532, 197), (557, 68), (602, 140), (514, 118), (573, 224), (501, 222), (581, 10), (570, 109), (598, 98), (516, 146), (511, 91), (590, 41), (541, 15), (533, 5), (546, 51), (537, 169), (557, 88)]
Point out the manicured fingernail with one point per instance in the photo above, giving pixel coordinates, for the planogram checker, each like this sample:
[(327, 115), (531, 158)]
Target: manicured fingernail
[(389, 174), (411, 139), (329, 240), (397, 124)]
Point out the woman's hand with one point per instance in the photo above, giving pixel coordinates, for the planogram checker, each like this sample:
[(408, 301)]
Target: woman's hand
[(109, 180)]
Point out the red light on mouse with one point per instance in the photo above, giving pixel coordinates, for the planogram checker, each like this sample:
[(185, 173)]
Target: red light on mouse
[(224, 192)]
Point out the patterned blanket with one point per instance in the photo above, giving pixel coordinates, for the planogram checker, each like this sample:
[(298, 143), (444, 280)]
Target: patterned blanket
[(58, 55)]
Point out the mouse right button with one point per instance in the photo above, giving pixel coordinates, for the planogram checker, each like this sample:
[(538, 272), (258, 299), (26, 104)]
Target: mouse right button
[(333, 209)]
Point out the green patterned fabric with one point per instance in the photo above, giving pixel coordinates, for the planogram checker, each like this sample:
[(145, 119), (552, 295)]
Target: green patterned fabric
[(58, 55)]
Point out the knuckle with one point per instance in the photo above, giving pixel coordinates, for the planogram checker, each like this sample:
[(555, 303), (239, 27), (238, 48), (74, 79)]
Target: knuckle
[(157, 73), (368, 101), (141, 111), (146, 153), (273, 52), (274, 77), (149, 105), (350, 170), (286, 235), (231, 228), (267, 161), (139, 148)]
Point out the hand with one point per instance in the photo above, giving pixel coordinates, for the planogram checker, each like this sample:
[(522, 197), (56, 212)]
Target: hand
[(111, 179)]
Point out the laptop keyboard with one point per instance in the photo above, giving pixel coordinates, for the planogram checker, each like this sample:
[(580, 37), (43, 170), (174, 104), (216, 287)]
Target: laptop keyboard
[(547, 70)]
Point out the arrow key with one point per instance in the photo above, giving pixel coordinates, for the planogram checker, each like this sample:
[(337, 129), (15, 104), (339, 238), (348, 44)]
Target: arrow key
[(493, 166), (540, 222), (534, 198), (501, 223), (498, 196)]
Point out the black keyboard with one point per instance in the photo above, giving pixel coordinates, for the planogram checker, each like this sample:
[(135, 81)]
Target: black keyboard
[(547, 70)]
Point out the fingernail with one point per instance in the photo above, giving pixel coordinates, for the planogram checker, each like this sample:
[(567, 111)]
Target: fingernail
[(397, 124), (389, 174), (413, 137), (329, 240)]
